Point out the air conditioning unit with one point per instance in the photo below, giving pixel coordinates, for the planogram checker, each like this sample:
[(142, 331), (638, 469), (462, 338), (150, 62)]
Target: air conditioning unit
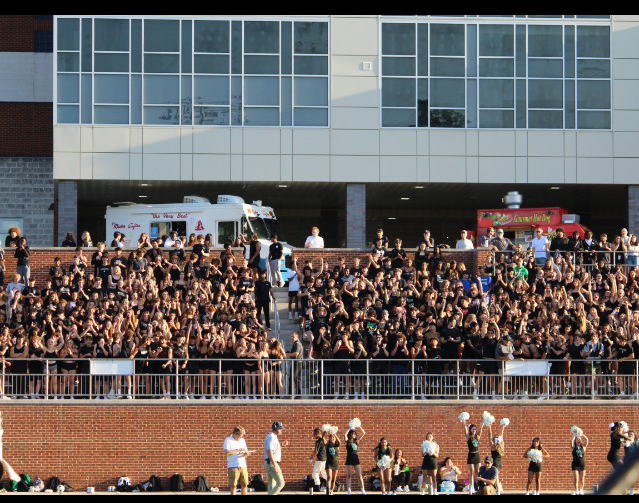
[(570, 218), (196, 200), (226, 199)]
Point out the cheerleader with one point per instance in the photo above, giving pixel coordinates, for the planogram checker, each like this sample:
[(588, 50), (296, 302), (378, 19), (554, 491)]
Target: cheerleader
[(383, 459), (474, 458), (318, 458), (352, 458), (578, 467), (617, 436), (4, 466), (332, 462), (497, 451), (535, 468), (429, 465)]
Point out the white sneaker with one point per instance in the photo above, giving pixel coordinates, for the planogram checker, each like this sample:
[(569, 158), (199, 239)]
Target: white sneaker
[(346, 397), (363, 492), (575, 493), (191, 397), (623, 393), (406, 489), (542, 397), (525, 396), (202, 397), (290, 315), (494, 396), (399, 489), (475, 395), (336, 396)]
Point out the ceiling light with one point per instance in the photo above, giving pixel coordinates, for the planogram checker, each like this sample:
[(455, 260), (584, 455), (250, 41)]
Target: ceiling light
[(142, 196), (405, 198), (554, 188), (282, 186), (392, 218), (419, 186), (144, 185)]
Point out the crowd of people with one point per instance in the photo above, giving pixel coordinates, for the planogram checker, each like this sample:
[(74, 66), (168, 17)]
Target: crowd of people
[(177, 309)]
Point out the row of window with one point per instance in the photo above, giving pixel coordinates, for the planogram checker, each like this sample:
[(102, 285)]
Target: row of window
[(201, 72)]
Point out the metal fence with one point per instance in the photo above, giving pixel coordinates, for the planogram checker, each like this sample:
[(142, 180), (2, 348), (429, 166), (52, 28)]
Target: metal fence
[(252, 379), (585, 259)]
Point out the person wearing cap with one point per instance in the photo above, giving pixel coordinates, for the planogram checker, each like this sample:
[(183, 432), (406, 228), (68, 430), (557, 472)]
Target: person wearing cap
[(487, 477), (236, 454), (273, 458)]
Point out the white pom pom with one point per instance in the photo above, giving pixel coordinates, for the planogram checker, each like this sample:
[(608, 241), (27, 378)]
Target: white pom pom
[(576, 431), (326, 427), (535, 455), (333, 430), (611, 425), (354, 423), (425, 447), (464, 416), (487, 418), (505, 421), (384, 462), (432, 449), (624, 427)]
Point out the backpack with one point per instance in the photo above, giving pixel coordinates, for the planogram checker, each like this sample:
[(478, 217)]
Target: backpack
[(177, 483), (201, 484), (53, 483), (155, 484), (257, 483), (308, 482), (23, 485), (124, 484)]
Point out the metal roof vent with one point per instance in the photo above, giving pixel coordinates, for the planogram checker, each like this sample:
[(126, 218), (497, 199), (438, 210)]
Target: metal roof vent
[(512, 200)]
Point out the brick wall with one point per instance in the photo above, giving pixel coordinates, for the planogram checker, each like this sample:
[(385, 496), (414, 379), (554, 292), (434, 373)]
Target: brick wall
[(93, 444), (17, 32), (27, 129)]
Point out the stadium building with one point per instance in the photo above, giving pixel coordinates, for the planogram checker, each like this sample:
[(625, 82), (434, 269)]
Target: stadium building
[(413, 123)]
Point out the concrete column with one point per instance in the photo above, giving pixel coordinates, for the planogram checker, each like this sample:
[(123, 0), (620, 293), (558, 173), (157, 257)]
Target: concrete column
[(67, 216), (633, 209), (355, 215)]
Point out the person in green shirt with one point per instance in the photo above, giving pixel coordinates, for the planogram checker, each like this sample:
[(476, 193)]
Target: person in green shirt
[(520, 270)]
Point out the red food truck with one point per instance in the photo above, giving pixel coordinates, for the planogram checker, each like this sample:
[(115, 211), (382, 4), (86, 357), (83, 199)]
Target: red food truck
[(519, 224)]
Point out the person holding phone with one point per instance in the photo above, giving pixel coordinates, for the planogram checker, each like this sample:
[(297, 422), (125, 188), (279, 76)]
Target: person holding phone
[(236, 454)]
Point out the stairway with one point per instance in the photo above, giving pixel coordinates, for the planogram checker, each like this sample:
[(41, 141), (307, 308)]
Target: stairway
[(286, 326)]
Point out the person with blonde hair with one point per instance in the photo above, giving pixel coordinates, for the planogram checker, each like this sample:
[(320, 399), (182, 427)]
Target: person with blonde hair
[(314, 240), (236, 454)]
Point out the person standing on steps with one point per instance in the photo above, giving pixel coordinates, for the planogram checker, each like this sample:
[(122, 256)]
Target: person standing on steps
[(275, 253)]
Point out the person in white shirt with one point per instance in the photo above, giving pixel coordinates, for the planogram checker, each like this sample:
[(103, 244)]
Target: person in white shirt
[(14, 290), (293, 276), (464, 243), (273, 458), (236, 454), (314, 240), (541, 245)]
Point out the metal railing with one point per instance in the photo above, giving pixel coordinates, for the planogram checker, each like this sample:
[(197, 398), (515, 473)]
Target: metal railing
[(587, 259), (253, 379)]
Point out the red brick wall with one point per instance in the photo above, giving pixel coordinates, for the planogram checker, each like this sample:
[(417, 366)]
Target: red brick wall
[(93, 444), (17, 32), (27, 129)]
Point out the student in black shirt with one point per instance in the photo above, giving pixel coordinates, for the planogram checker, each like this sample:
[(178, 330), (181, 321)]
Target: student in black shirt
[(275, 252), (23, 253), (263, 293)]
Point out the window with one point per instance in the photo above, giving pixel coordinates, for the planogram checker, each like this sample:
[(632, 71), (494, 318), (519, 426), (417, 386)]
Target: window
[(479, 71), (6, 224), (192, 71), (226, 232)]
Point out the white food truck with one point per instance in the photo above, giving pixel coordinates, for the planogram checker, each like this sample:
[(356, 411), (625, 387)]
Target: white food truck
[(226, 220)]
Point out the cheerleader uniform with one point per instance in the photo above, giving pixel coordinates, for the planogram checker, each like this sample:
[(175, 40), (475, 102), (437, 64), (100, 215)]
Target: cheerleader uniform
[(332, 455), (473, 451), (534, 467), (352, 454), (381, 453), (429, 462), (496, 459), (614, 455), (192, 366), (578, 460)]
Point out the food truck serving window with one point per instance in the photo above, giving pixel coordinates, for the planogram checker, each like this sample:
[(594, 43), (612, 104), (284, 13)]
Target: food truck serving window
[(159, 229), (226, 232)]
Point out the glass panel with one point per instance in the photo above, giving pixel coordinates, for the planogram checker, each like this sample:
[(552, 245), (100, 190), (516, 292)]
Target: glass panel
[(187, 100), (398, 117), (161, 115), (471, 103), (287, 48), (211, 116), (593, 120), (86, 99), (422, 102), (593, 41), (111, 114), (545, 41), (311, 38), (211, 90), (287, 102), (496, 40), (447, 40), (422, 49), (398, 92), (545, 94), (593, 68), (545, 119), (68, 88), (311, 116), (569, 49), (312, 65), (447, 118), (161, 89), (496, 93), (261, 37), (111, 34), (211, 36), (68, 114), (136, 45), (87, 41), (448, 67), (163, 63), (570, 103), (211, 64), (496, 67), (236, 47), (521, 103), (521, 51), (161, 36), (593, 94), (447, 93), (187, 51), (398, 38), (112, 89), (261, 91), (471, 51), (269, 65), (68, 35), (136, 99), (261, 117), (496, 119), (112, 63), (311, 91), (545, 68), (398, 66), (236, 101), (68, 62)]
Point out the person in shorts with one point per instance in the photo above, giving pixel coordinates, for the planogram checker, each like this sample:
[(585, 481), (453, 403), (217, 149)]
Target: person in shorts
[(236, 454)]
